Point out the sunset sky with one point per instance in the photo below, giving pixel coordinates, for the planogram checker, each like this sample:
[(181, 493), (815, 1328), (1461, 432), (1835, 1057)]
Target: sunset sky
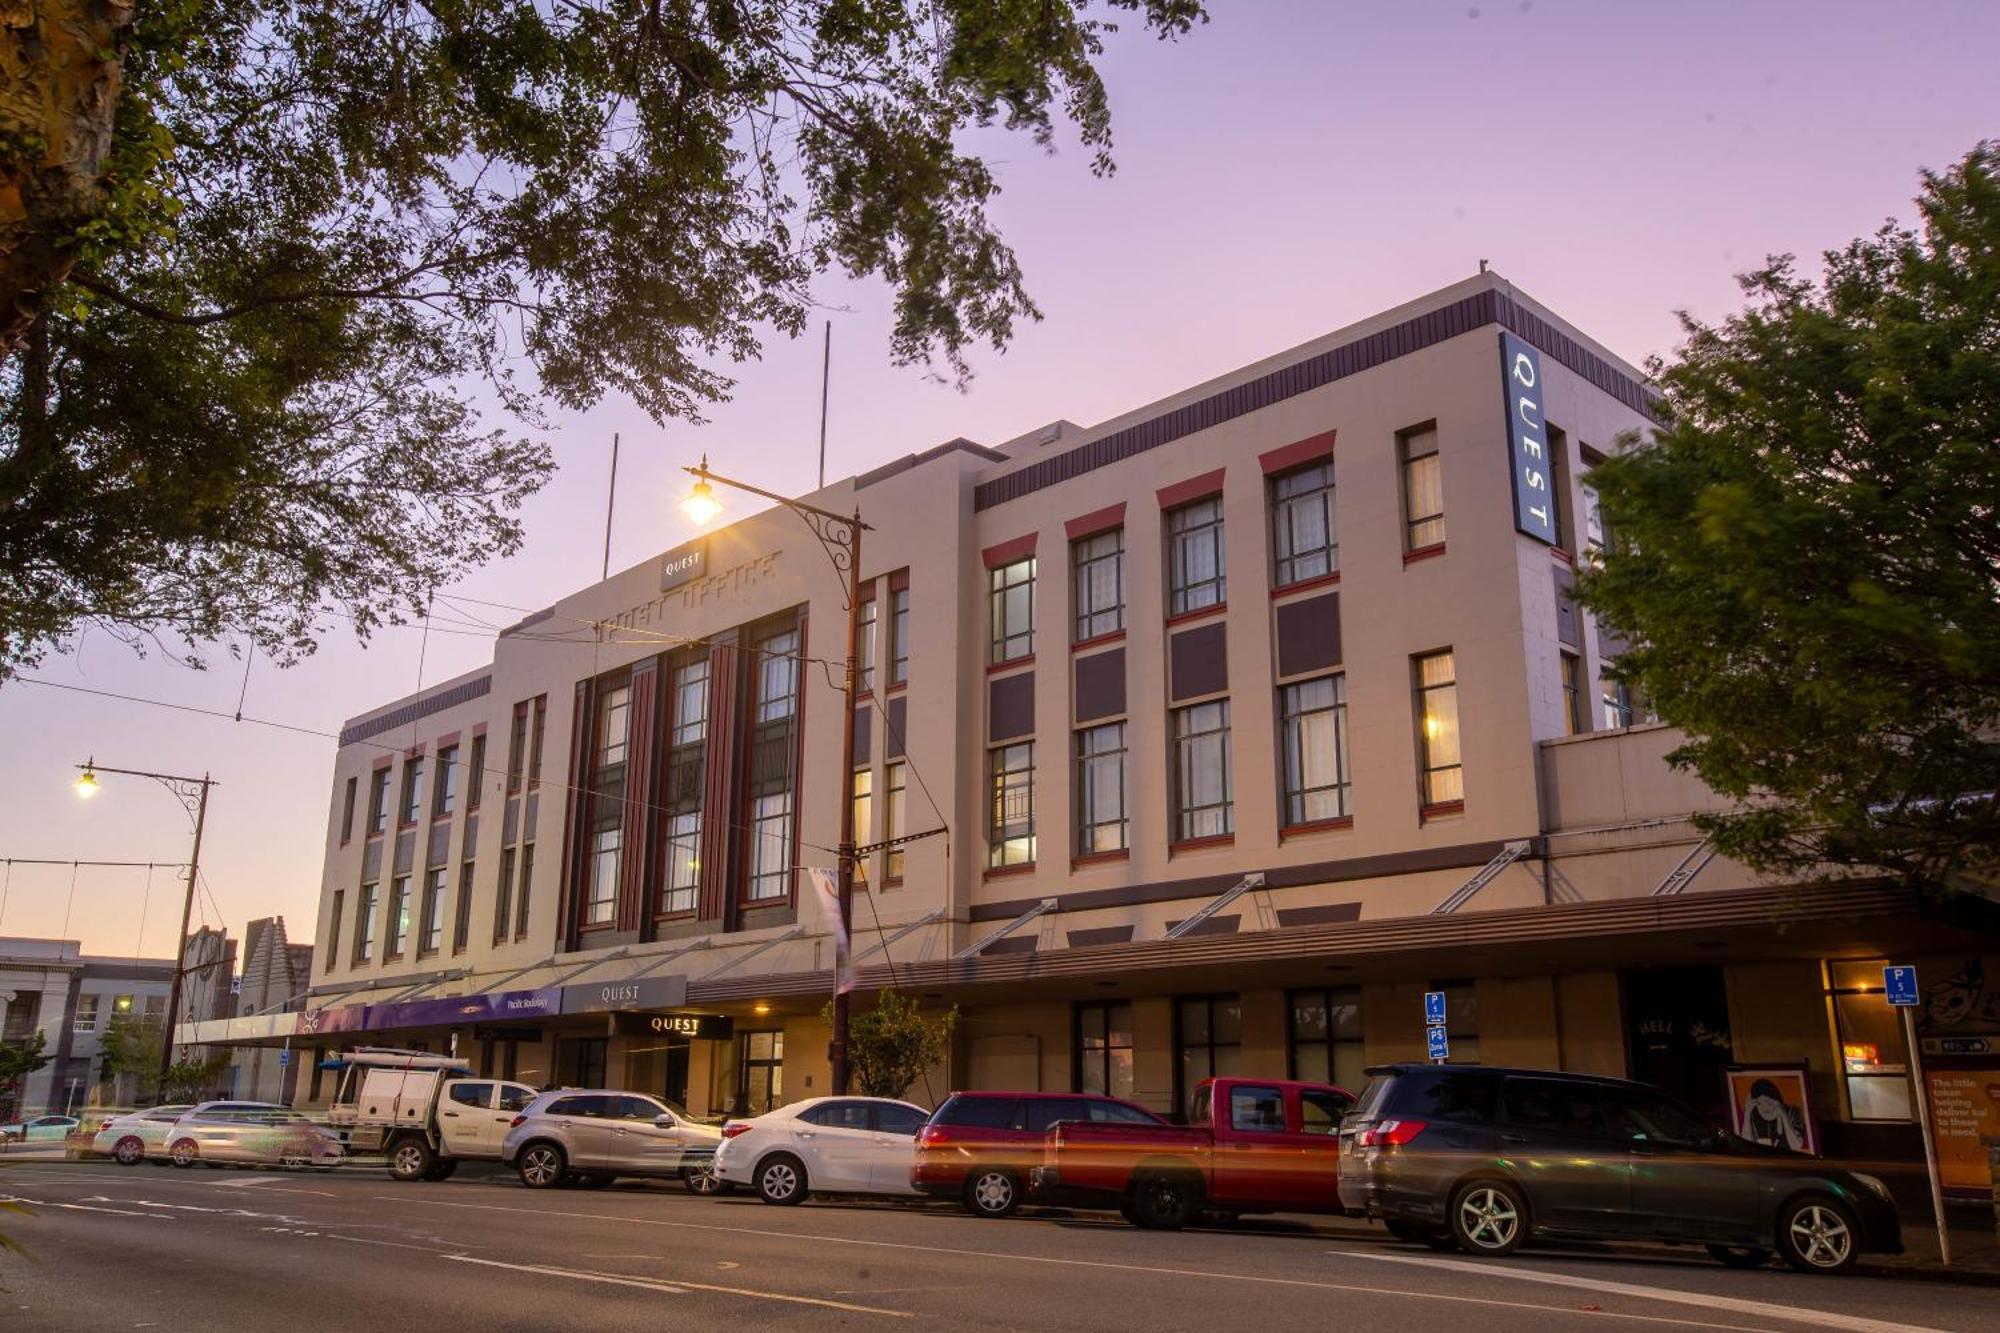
[(1289, 168)]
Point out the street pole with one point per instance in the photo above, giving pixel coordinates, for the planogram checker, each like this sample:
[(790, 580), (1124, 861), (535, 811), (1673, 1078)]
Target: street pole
[(1924, 1123), (180, 941), (837, 1054)]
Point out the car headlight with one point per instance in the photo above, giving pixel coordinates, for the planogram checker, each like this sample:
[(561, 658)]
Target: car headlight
[(1874, 1184)]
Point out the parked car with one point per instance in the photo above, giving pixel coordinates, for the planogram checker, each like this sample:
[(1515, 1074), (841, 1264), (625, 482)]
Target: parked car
[(137, 1135), (250, 1134), (40, 1129), (424, 1113), (1251, 1146), (826, 1145), (1486, 1159), (980, 1146), (593, 1136)]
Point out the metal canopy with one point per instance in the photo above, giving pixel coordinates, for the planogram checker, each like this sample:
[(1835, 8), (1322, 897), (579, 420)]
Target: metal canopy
[(741, 959), (1460, 896), (611, 957), (973, 950), (513, 976), (655, 964), (910, 929), (1254, 880), (1683, 874)]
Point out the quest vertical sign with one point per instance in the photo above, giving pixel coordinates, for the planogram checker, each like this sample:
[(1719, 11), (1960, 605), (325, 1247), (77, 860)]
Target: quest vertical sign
[(1528, 440)]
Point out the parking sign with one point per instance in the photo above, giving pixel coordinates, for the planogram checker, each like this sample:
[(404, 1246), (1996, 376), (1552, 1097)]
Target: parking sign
[(284, 1058), (1901, 985), (1433, 1006), (1439, 1047)]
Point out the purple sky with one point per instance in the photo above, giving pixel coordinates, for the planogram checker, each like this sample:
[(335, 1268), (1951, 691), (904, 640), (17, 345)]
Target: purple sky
[(1289, 168)]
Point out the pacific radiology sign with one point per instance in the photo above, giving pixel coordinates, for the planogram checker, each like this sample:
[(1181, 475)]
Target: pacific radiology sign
[(1528, 440)]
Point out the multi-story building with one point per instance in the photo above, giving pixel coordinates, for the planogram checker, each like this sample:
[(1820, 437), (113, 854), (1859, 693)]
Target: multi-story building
[(276, 975), (1210, 738), (71, 998)]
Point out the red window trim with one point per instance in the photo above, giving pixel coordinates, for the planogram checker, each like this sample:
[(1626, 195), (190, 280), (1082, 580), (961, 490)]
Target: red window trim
[(900, 580), (895, 687), (1007, 552), (1199, 613), (478, 730), (449, 738), (1193, 489), (416, 751), (1423, 553), (1101, 641), (1201, 844), (1100, 858), (382, 762), (869, 588), (1307, 585), (1010, 664), (892, 881), (1312, 449), (1316, 826), (1562, 556), (1441, 810), (601, 925), (1096, 521), (1004, 872)]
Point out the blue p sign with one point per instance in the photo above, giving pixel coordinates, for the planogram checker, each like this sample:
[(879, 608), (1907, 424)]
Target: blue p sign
[(1438, 1047), (1433, 1006), (1901, 985)]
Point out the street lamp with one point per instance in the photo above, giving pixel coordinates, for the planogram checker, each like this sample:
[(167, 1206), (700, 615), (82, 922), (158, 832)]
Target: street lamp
[(840, 536), (193, 796)]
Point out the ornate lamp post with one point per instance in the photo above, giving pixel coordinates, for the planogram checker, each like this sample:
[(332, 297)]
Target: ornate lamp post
[(840, 536), (192, 793)]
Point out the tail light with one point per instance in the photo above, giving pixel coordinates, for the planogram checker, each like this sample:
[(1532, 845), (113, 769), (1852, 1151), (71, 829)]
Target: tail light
[(928, 1135), (734, 1127), (517, 1122), (1389, 1133)]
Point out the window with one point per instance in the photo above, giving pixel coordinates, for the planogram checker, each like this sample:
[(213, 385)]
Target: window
[(156, 1009), (614, 726), (1208, 1037), (527, 883), (690, 721), (602, 903), (1010, 837), (413, 789), (773, 759), (1255, 1110), (1111, 1113), (863, 792), (1437, 729), (580, 1064), (1574, 722), (760, 1082), (378, 800), (535, 741), (1011, 594), (86, 1012), (1565, 521), (470, 1094), (1202, 801), (430, 931), (1041, 1114), (1616, 697), (895, 776), (1553, 1105), (1423, 489), (445, 798), (1302, 534), (893, 1119), (1104, 1048), (687, 736), (1196, 567), (677, 893), (399, 916), (475, 772), (1313, 715), (1874, 1058), (1595, 537), (1649, 1118), (333, 929), (1100, 789), (503, 897), (865, 621), (517, 748), (899, 636), (771, 847), (347, 810), (1325, 1037), (1100, 584), (461, 925), (839, 1115), (121, 1006), (777, 676), (1322, 1112), (364, 924)]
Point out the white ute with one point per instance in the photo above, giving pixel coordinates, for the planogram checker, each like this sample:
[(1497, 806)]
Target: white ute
[(424, 1113)]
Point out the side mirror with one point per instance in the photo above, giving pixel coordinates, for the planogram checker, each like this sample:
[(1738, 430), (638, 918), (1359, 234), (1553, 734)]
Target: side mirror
[(663, 1121)]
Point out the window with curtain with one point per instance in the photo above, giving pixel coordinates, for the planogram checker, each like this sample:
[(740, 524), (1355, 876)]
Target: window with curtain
[(1325, 1037), (399, 916), (1197, 569), (899, 636), (1203, 805), (1423, 489), (1437, 728), (866, 620), (771, 846), (1100, 584), (1313, 717), (1011, 593), (600, 906), (1104, 1048), (895, 778), (1208, 1036), (1100, 789), (1011, 816), (1302, 534)]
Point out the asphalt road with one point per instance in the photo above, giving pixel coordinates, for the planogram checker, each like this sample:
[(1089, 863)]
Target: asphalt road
[(145, 1247)]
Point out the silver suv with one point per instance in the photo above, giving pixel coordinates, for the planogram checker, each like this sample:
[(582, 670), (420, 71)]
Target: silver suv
[(591, 1137)]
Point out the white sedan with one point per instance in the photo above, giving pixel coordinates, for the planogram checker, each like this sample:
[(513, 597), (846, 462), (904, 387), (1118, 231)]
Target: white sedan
[(828, 1145), (135, 1137)]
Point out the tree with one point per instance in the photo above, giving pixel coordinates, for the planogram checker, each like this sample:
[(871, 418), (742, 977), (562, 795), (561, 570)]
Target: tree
[(132, 1046), (893, 1045), (1806, 555), (258, 257), (17, 1061)]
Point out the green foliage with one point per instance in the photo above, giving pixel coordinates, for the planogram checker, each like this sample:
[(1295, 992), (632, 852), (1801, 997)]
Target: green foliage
[(893, 1045), (132, 1046), (1807, 556), (332, 226)]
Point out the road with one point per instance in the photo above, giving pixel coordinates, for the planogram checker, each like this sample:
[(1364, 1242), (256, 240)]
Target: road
[(146, 1247)]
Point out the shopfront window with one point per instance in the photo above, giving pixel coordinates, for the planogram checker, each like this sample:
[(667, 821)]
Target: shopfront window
[(1208, 1032), (760, 1082), (1325, 1037), (1104, 1048), (1874, 1058)]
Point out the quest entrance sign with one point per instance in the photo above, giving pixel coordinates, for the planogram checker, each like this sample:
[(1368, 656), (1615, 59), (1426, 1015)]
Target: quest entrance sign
[(700, 1027), (1528, 440)]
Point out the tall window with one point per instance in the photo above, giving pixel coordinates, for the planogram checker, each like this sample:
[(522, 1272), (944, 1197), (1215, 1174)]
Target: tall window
[(521, 898), (1594, 536), (399, 916), (517, 747), (1196, 567), (1010, 839), (899, 636), (1574, 720), (475, 772), (1100, 584), (86, 1012), (1011, 590), (773, 745), (895, 778), (540, 728), (1100, 789), (866, 620), (614, 726), (1302, 524), (1325, 1037), (503, 898), (430, 929), (687, 736), (1874, 1058), (413, 789), (1104, 1048), (777, 676), (1208, 1036), (771, 847), (683, 877), (1437, 729), (690, 719), (1203, 807), (347, 810), (333, 930), (1423, 489), (760, 1085), (378, 800), (1559, 487), (444, 795), (461, 924), (1313, 714), (601, 906), (864, 805)]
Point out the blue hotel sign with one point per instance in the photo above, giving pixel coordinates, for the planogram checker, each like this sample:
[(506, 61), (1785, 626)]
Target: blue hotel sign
[(1528, 440)]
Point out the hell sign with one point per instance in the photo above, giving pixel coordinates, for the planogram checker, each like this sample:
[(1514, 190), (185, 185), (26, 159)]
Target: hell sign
[(1528, 440)]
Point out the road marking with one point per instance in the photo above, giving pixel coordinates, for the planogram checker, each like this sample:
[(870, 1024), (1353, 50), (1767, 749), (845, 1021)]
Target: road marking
[(1764, 1309), (679, 1287), (1150, 1270), (82, 1208)]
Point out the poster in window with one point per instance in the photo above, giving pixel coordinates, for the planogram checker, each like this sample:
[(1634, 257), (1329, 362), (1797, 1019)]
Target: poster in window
[(1772, 1105), (1965, 1116)]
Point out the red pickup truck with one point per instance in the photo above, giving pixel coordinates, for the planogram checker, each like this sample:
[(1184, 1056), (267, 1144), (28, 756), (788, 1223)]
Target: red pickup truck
[(1252, 1146)]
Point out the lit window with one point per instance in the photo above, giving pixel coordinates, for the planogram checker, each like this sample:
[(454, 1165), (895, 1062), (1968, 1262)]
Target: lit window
[(1012, 596), (895, 776), (602, 904), (399, 915), (1423, 489), (864, 806), (771, 847), (683, 862), (777, 676), (1196, 566), (1314, 719), (1203, 806), (1437, 729), (1100, 789), (1011, 806), (1302, 533)]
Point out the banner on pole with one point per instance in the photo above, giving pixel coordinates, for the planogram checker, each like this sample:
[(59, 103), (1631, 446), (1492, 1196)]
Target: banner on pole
[(828, 889)]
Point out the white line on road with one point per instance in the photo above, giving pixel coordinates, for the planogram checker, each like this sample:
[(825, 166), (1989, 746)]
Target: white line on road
[(1151, 1270), (678, 1286), (82, 1208), (1764, 1309)]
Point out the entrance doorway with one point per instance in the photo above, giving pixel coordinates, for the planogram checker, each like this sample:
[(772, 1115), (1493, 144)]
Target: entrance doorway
[(1677, 1030)]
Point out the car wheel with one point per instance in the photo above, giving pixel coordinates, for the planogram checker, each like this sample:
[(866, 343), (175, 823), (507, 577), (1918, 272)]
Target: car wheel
[(700, 1179), (992, 1193), (542, 1166), (781, 1179), (1816, 1235), (1740, 1256), (1489, 1217), (411, 1159), (185, 1153), (442, 1169), (1165, 1200), (129, 1151)]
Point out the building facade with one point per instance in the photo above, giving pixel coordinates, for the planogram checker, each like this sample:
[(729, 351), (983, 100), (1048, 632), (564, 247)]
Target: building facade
[(72, 998), (1207, 739)]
